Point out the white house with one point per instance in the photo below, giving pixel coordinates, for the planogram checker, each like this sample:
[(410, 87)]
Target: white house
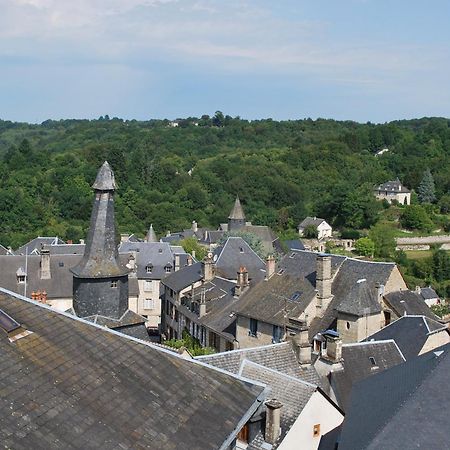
[(324, 229)]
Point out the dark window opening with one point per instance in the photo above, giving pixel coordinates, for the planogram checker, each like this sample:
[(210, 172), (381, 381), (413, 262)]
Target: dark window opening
[(253, 327)]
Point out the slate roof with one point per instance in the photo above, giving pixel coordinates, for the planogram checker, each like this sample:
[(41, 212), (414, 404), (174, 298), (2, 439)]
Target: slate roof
[(72, 384), (357, 365), (60, 285), (316, 221), (295, 244), (279, 357), (35, 245), (183, 278), (393, 187), (410, 333), (409, 303), (105, 179), (236, 253), (360, 300), (66, 249), (237, 212), (151, 235), (158, 255), (428, 293), (401, 408), (5, 251)]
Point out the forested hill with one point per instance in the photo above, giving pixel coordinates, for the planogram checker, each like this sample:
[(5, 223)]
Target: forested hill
[(170, 175)]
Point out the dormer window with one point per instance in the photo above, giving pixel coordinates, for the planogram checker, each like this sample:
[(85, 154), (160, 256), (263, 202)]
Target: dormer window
[(168, 268), (114, 283), (372, 360), (241, 249), (149, 268), (21, 276), (21, 279)]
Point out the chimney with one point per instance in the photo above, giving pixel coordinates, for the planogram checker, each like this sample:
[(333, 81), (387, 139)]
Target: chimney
[(189, 260), (124, 237), (418, 289), (70, 242), (323, 281), (45, 264), (334, 348), (380, 291), (168, 233), (82, 241), (242, 281), (194, 226), (299, 335), (177, 261), (132, 264), (208, 267), (273, 420), (270, 266), (202, 308)]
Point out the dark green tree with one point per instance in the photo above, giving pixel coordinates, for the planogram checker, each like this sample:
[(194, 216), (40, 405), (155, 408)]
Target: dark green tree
[(426, 190)]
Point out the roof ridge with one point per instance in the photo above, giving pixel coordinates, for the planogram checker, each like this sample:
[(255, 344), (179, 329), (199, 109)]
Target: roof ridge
[(355, 344), (290, 377), (260, 347)]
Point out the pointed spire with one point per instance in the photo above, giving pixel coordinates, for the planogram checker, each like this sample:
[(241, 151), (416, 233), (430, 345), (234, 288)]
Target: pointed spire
[(101, 258), (105, 179), (237, 212), (151, 235)]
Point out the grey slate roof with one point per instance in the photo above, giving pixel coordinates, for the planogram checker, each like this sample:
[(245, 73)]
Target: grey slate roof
[(66, 249), (71, 384), (236, 253), (295, 244), (35, 245), (401, 408), (428, 293), (60, 285), (410, 333), (151, 235), (158, 255), (185, 277), (237, 212), (409, 303), (316, 221), (393, 187), (105, 179), (357, 365), (360, 300), (279, 357)]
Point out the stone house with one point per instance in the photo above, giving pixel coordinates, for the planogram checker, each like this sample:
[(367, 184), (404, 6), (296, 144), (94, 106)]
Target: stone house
[(324, 230), (393, 190), (325, 291)]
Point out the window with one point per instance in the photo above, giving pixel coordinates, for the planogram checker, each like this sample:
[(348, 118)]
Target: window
[(347, 325), (149, 303), (277, 334), (114, 283), (61, 264), (168, 269), (148, 285), (372, 360), (316, 430), (21, 279), (253, 328), (149, 268), (241, 249)]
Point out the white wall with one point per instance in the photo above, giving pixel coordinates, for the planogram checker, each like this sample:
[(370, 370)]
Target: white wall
[(317, 411)]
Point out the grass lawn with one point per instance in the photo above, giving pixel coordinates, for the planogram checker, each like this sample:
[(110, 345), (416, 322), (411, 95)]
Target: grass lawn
[(418, 254)]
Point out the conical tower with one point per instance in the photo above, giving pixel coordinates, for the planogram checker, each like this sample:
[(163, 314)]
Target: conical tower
[(236, 219), (100, 281), (151, 235)]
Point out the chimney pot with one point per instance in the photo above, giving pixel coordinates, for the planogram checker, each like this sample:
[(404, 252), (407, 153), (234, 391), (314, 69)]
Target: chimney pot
[(273, 420), (270, 266)]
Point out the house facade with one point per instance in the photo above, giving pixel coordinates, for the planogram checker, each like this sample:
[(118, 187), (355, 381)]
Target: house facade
[(393, 190), (324, 229)]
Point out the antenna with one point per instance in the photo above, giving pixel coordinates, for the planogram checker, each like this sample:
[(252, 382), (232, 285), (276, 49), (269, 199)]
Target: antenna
[(26, 272)]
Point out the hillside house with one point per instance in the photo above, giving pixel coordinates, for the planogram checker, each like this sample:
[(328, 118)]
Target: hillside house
[(393, 190), (324, 229)]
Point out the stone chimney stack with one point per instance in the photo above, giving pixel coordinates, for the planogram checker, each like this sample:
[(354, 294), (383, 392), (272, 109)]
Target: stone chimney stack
[(189, 260), (45, 264), (208, 267), (334, 348), (177, 261), (242, 281), (132, 264), (299, 335), (323, 281), (270, 266), (273, 421), (202, 305), (194, 226)]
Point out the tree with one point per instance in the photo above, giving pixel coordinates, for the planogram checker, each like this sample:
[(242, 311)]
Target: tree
[(365, 246), (310, 232), (190, 245), (414, 217), (383, 239), (426, 190), (441, 265)]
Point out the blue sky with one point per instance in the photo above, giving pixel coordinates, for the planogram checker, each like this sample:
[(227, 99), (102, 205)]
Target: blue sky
[(362, 60)]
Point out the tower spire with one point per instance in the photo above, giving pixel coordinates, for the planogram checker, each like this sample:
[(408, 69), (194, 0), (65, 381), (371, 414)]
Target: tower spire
[(100, 281), (151, 235), (236, 219)]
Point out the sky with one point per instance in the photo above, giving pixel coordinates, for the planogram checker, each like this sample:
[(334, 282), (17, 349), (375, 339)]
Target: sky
[(363, 60)]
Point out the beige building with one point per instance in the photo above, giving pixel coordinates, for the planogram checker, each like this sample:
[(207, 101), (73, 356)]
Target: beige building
[(393, 190)]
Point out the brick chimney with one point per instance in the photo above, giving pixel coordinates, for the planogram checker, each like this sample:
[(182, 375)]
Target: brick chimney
[(323, 281), (242, 281), (208, 267), (270, 267), (273, 421), (45, 264)]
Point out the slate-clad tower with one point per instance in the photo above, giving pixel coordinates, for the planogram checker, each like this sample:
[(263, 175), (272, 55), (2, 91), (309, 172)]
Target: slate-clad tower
[(100, 281), (236, 219)]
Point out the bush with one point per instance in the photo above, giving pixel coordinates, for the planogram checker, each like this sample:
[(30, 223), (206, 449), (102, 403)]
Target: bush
[(414, 217), (365, 247), (350, 234), (310, 232)]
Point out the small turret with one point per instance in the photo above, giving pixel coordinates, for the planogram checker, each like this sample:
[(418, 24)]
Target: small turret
[(236, 219), (151, 235)]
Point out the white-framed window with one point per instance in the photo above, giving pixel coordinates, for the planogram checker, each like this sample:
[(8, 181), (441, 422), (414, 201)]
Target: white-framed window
[(149, 268), (21, 279), (168, 269), (149, 303), (148, 285), (114, 283)]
